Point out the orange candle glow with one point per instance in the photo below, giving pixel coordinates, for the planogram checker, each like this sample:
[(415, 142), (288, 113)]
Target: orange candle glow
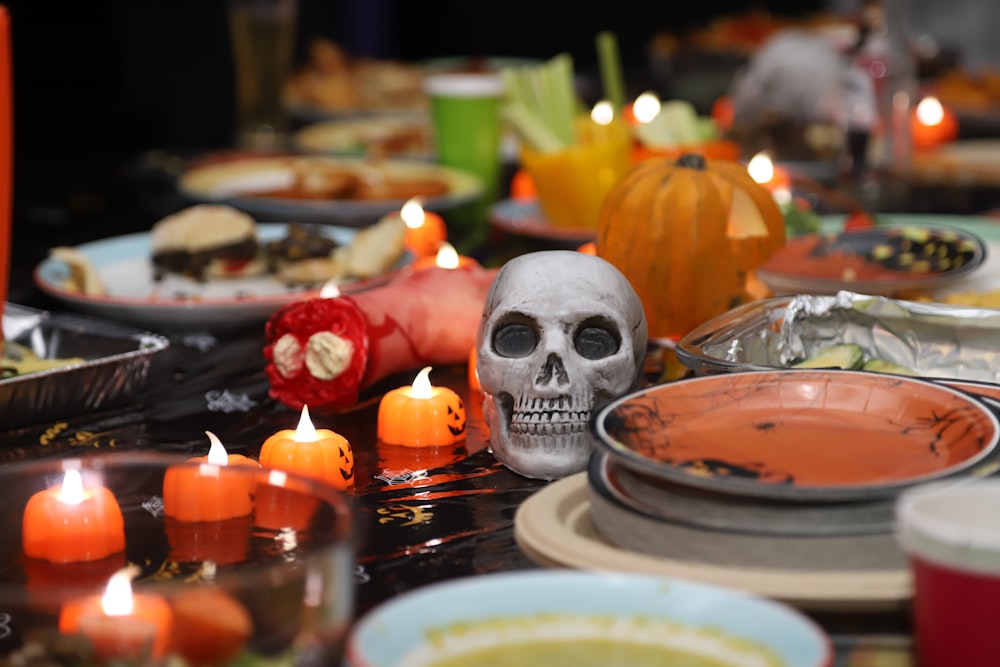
[(72, 522), (425, 230), (446, 258), (210, 491), (315, 453), (473, 374), (220, 542), (588, 248), (421, 415), (119, 623), (763, 170), (522, 188), (932, 124)]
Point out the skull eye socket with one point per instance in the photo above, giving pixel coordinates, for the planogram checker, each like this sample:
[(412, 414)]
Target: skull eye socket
[(595, 342), (514, 340)]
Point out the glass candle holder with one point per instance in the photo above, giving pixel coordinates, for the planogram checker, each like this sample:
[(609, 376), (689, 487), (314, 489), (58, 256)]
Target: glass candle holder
[(273, 587)]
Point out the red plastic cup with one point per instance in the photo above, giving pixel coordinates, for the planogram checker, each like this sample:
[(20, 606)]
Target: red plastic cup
[(951, 534)]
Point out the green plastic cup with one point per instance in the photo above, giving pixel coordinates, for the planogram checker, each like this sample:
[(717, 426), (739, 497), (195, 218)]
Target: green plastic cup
[(465, 110)]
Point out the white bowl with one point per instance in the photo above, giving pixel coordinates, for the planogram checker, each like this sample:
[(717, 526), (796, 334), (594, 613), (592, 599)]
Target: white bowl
[(443, 620)]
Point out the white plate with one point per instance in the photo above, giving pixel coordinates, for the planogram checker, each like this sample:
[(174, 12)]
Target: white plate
[(356, 136), (233, 182), (176, 302)]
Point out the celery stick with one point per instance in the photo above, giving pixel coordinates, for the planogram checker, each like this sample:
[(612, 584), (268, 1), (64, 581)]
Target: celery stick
[(541, 103), (530, 129), (559, 74), (609, 61)]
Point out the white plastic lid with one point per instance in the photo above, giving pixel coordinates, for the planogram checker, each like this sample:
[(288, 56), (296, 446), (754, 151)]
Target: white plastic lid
[(954, 523), (464, 84)]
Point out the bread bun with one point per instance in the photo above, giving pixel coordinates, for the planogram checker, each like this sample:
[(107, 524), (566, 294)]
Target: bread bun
[(207, 241)]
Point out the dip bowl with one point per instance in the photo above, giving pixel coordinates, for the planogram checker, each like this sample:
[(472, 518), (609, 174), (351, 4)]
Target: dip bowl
[(562, 617)]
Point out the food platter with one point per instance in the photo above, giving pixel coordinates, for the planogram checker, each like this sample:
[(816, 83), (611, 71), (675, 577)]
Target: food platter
[(882, 260), (177, 302), (398, 135), (348, 191)]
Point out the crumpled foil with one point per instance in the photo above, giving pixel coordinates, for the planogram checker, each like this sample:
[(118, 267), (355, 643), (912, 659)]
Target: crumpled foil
[(116, 362), (932, 339)]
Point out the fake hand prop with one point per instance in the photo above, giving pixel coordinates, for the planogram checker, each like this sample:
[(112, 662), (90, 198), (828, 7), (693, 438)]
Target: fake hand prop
[(323, 352)]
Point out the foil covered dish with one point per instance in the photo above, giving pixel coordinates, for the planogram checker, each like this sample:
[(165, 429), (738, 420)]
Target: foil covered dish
[(926, 339), (58, 364)]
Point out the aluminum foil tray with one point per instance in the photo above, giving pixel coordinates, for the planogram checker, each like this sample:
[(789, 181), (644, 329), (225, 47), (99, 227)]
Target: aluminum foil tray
[(115, 364), (934, 340)]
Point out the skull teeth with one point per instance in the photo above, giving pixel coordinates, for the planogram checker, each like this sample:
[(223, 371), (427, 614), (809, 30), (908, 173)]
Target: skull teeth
[(548, 427), (547, 416)]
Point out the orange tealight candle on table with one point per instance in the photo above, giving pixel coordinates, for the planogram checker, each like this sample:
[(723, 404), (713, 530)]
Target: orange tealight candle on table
[(932, 124), (445, 258), (316, 453), (120, 624), (425, 230), (522, 188), (763, 170), (72, 522), (209, 491), (421, 415)]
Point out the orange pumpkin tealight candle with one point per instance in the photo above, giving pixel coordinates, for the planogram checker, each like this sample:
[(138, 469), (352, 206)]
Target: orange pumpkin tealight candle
[(425, 230), (72, 522), (319, 454), (210, 491), (775, 179), (121, 625), (445, 258), (932, 124), (421, 415)]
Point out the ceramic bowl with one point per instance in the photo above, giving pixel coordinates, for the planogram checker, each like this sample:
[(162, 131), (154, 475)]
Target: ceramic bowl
[(799, 435), (879, 260), (458, 617)]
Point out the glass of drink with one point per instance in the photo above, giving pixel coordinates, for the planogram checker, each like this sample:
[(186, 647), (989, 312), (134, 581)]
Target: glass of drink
[(263, 40)]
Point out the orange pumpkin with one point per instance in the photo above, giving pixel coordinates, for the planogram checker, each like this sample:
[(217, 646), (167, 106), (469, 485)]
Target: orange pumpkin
[(329, 458), (688, 233)]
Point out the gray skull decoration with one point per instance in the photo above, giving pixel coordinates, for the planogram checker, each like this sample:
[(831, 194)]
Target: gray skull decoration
[(563, 333)]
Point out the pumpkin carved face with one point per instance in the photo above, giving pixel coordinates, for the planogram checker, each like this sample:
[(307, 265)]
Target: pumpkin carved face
[(688, 235)]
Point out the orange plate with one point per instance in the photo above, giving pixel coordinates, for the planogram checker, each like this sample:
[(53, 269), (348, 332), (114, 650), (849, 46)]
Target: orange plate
[(798, 434)]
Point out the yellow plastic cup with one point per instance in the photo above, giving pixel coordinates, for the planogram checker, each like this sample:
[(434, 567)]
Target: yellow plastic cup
[(572, 183)]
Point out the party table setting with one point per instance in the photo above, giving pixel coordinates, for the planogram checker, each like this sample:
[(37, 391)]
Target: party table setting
[(458, 363)]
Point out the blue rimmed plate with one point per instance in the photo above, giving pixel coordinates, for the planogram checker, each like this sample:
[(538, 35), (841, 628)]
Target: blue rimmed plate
[(579, 611), (176, 302)]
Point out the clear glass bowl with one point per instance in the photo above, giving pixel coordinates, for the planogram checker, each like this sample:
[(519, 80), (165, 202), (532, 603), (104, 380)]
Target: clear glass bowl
[(274, 586)]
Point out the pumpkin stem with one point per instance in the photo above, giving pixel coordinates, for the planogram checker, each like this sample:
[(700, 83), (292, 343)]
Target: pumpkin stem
[(692, 161)]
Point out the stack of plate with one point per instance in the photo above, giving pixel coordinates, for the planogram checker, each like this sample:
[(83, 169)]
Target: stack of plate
[(787, 469)]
